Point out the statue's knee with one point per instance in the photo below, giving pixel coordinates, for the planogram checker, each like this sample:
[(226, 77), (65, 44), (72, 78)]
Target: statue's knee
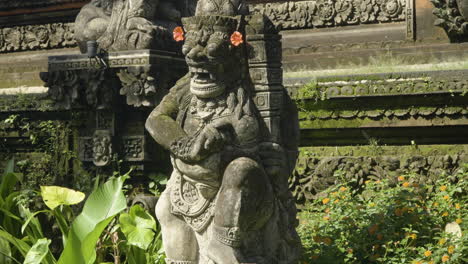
[(240, 171)]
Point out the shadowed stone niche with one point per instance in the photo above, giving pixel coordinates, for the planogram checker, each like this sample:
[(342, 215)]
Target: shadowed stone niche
[(232, 132)]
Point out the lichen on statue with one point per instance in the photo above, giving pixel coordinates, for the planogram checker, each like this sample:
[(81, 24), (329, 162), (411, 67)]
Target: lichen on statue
[(222, 204)]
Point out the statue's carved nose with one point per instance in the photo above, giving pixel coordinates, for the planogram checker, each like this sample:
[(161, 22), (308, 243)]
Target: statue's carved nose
[(198, 53)]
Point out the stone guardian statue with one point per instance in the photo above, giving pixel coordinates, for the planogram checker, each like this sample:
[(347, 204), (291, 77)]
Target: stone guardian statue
[(227, 200)]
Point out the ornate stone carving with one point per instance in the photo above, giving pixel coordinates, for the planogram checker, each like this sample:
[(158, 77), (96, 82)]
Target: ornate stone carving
[(227, 198), (139, 86), (133, 148), (129, 24), (32, 37), (102, 148), (315, 174), (10, 4), (70, 88), (452, 16), (330, 13)]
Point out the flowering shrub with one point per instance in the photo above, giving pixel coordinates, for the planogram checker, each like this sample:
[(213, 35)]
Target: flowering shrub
[(384, 222)]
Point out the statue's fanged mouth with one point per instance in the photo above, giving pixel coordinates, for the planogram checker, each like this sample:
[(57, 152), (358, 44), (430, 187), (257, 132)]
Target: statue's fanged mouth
[(204, 83)]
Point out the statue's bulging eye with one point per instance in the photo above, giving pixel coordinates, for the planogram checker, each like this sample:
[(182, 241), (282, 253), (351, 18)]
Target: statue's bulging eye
[(213, 49)]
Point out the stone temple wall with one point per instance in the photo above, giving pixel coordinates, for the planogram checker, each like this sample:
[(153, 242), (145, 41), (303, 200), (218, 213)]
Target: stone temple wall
[(380, 84)]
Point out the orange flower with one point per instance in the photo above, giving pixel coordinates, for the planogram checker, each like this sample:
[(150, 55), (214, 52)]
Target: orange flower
[(446, 197), (401, 178), (336, 201), (442, 241), (445, 214), (342, 189), (178, 34), (459, 221), (413, 236), (451, 249), (428, 253), (326, 218), (327, 210), (373, 229), (398, 212), (406, 184), (436, 204), (327, 241), (237, 38), (443, 188), (326, 200), (457, 206), (445, 258)]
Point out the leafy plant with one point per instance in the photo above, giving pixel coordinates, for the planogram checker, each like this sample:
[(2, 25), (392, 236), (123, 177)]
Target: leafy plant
[(388, 223)]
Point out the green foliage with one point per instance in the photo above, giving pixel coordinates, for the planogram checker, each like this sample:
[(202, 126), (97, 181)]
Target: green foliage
[(99, 210), (94, 236), (388, 223), (55, 196), (38, 252)]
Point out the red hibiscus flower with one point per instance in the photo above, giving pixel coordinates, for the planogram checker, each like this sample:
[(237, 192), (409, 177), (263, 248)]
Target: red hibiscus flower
[(237, 38), (178, 34)]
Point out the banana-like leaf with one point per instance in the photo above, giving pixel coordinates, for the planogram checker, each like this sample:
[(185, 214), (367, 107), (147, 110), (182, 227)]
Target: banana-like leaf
[(138, 227), (37, 252), (55, 196), (101, 207)]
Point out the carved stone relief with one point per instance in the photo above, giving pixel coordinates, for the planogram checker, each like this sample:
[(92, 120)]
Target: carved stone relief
[(452, 16), (10, 4), (331, 13), (32, 37), (70, 88), (315, 174)]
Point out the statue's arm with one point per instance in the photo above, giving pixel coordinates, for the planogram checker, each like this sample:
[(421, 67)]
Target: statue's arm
[(161, 123)]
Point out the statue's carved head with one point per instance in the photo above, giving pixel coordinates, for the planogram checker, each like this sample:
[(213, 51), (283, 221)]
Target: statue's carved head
[(212, 50)]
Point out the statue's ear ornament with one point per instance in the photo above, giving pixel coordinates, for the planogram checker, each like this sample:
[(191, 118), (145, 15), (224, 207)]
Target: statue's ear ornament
[(178, 34), (237, 38)]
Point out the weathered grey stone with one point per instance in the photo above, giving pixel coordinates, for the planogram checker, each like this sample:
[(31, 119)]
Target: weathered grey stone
[(129, 24), (227, 200)]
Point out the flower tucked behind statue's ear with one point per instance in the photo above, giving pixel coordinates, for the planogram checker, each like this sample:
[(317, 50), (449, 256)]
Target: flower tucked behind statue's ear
[(178, 34), (237, 38)]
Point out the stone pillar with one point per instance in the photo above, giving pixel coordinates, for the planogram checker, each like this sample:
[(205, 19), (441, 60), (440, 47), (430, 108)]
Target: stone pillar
[(265, 67)]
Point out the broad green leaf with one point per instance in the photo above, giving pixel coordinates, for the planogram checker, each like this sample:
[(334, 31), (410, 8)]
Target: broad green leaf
[(101, 207), (55, 196), (138, 227), (37, 252)]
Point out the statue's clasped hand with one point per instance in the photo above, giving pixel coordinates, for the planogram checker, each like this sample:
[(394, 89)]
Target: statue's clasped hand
[(199, 146)]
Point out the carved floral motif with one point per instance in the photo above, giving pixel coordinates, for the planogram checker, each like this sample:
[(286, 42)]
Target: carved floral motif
[(138, 86), (451, 16), (329, 13), (315, 174), (31, 37), (80, 87)]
